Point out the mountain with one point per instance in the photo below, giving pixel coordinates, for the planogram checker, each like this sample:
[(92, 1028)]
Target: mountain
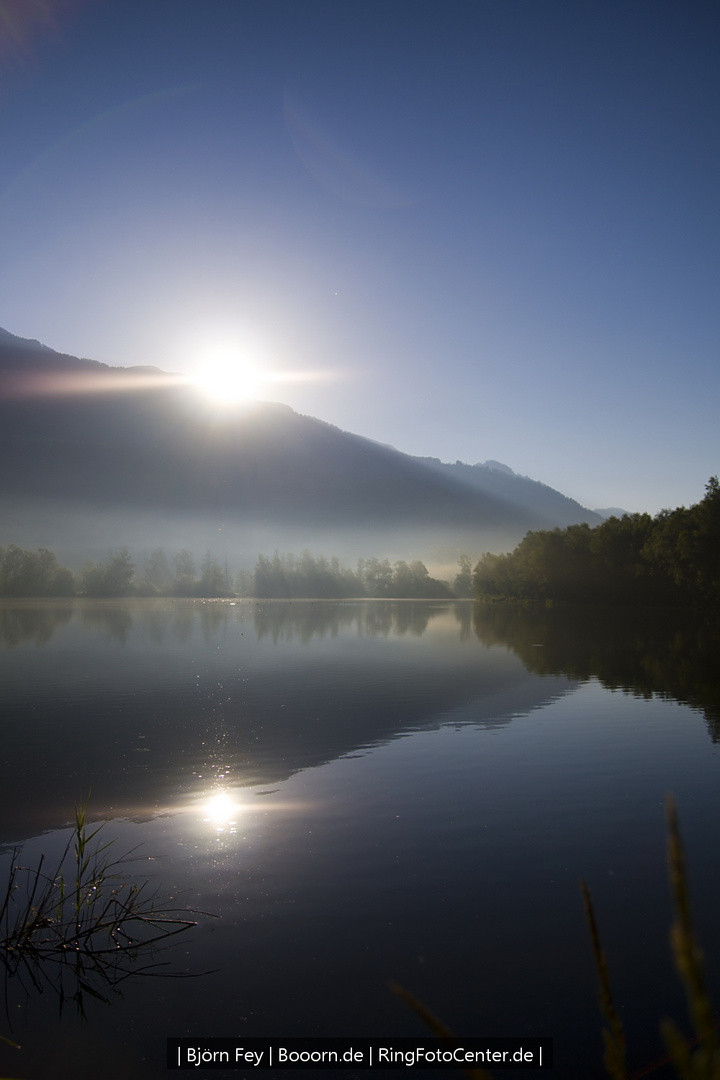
[(548, 507), (20, 358), (129, 443)]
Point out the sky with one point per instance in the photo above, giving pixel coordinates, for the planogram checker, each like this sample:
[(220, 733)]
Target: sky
[(471, 229)]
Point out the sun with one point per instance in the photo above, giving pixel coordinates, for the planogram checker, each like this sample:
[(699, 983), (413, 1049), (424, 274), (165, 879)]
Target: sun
[(229, 380), (237, 371)]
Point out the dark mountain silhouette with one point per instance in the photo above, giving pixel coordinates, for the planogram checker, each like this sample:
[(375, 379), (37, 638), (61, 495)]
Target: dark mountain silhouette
[(139, 439)]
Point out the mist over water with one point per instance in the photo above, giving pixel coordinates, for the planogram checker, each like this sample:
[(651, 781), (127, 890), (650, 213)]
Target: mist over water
[(102, 457), (81, 531)]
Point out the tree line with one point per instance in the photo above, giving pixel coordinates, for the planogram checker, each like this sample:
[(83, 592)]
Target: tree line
[(672, 558), (306, 575), (282, 576)]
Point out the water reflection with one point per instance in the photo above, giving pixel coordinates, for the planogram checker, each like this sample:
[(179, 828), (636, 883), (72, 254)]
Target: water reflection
[(222, 812), (77, 924), (114, 620), (366, 791), (279, 621), (150, 703), (669, 653), (306, 620), (31, 622)]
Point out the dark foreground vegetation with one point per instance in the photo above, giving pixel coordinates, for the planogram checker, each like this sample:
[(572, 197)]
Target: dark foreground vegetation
[(693, 1059), (80, 927), (672, 558), (284, 576)]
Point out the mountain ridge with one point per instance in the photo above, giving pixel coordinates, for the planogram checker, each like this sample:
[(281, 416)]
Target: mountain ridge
[(80, 432)]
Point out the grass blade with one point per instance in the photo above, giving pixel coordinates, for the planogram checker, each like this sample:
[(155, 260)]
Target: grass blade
[(614, 1057), (437, 1026)]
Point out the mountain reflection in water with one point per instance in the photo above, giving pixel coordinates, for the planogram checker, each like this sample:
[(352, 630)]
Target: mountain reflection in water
[(366, 791), (141, 701)]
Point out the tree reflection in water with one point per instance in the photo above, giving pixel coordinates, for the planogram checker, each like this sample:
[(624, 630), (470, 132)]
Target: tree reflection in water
[(671, 654)]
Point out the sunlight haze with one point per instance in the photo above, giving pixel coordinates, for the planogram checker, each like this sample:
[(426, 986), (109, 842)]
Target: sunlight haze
[(359, 536), (493, 228)]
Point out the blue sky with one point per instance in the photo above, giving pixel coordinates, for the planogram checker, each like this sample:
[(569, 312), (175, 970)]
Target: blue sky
[(471, 229)]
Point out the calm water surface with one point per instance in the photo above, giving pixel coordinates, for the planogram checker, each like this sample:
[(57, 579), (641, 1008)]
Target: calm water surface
[(362, 792)]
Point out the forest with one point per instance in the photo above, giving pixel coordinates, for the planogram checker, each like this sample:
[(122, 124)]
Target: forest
[(672, 558), (282, 576)]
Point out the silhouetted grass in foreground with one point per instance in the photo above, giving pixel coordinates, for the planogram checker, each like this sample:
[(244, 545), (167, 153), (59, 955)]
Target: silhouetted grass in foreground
[(83, 927), (695, 1059)]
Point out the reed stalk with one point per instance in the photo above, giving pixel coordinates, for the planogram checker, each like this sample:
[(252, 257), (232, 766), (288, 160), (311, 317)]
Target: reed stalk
[(695, 1059), (83, 927)]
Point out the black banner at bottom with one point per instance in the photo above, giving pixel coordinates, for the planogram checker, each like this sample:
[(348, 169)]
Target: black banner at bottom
[(277, 1053)]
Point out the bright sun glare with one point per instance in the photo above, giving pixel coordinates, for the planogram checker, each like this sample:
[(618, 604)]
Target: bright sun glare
[(221, 809), (230, 372), (229, 380)]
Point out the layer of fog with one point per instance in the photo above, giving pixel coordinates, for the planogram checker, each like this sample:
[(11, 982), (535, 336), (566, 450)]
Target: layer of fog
[(78, 532)]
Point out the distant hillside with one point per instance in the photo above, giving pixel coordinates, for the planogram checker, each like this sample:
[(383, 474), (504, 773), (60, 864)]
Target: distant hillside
[(138, 440), (21, 358), (548, 507)]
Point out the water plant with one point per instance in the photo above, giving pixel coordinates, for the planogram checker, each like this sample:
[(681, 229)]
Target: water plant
[(82, 926)]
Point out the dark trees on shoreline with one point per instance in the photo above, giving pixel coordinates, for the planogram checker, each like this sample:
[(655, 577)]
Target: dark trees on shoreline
[(673, 558)]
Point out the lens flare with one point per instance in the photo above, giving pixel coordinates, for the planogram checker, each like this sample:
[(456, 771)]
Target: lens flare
[(230, 380)]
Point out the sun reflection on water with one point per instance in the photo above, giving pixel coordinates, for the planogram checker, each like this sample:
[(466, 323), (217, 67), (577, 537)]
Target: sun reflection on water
[(222, 819), (221, 811)]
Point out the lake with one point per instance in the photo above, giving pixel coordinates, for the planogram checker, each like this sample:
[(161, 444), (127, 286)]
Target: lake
[(361, 792)]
